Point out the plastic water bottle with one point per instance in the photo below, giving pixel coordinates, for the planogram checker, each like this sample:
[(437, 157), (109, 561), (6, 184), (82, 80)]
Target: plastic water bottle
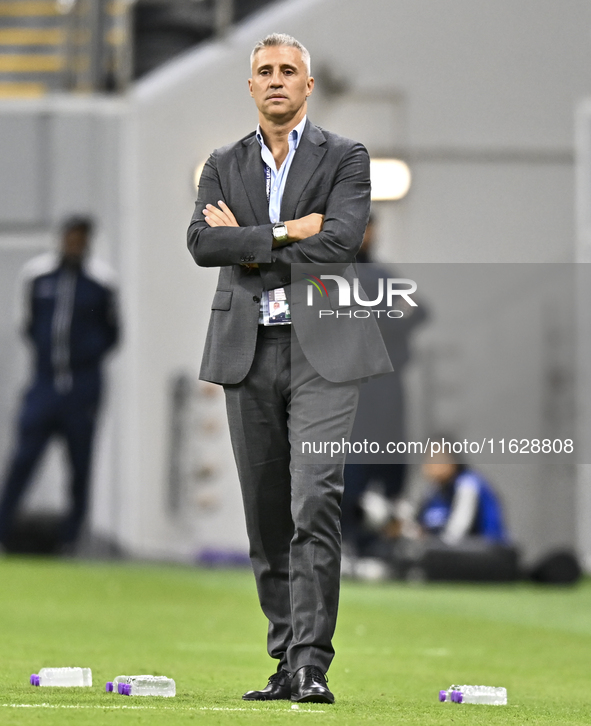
[(143, 686), (65, 677), (488, 695), (112, 686)]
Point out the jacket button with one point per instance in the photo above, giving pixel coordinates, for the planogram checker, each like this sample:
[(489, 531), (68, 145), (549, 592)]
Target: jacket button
[(256, 298)]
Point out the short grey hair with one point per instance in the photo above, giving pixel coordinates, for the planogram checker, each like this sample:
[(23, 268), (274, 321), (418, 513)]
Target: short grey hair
[(276, 39)]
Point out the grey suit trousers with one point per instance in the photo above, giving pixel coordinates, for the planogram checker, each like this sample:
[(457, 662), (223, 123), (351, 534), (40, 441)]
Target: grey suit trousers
[(291, 502)]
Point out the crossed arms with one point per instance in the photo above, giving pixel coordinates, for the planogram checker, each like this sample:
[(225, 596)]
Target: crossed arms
[(216, 238), (297, 229)]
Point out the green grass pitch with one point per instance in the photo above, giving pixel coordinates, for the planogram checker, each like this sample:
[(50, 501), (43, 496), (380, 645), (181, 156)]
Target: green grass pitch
[(397, 645)]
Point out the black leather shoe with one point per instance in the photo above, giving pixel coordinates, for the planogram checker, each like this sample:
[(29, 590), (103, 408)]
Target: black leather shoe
[(308, 685), (278, 688)]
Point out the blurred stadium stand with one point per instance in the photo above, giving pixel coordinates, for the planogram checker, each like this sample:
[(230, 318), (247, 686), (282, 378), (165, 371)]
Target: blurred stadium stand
[(165, 28), (31, 48), (100, 45), (63, 45)]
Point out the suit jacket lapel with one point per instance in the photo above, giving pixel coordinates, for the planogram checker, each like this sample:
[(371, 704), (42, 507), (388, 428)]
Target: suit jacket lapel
[(305, 161), (253, 178)]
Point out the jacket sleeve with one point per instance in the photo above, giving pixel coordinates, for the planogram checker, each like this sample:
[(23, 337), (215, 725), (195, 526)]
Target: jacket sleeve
[(345, 218), (23, 313), (220, 246), (463, 511), (112, 320)]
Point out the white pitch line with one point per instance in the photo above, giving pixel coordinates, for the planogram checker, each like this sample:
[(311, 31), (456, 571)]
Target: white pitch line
[(156, 708), (266, 710), (62, 705)]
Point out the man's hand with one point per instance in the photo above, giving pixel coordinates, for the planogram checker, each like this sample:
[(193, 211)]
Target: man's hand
[(221, 217), (303, 227)]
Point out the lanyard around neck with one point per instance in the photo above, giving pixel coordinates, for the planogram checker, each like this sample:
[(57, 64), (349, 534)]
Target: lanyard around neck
[(268, 181)]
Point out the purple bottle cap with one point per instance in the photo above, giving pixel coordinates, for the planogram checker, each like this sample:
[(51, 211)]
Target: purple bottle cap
[(34, 680), (442, 696), (109, 686), (457, 697), (120, 688), (127, 689)]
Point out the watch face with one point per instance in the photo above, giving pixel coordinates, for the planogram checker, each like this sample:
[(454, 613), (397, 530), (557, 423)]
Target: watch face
[(280, 232)]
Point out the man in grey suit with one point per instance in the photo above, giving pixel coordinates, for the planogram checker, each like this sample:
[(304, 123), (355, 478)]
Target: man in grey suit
[(287, 194)]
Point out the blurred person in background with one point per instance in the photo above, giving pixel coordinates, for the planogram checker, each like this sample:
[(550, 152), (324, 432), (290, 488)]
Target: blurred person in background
[(457, 532), (462, 503), (380, 414), (68, 314)]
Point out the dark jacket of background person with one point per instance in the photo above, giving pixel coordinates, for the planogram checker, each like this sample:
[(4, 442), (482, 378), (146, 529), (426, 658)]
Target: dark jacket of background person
[(85, 310), (381, 412)]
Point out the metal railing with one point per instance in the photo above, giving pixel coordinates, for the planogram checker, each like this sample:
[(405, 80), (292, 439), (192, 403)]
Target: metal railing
[(97, 44)]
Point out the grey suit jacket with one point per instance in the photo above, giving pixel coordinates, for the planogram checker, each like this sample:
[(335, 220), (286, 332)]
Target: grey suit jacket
[(329, 175)]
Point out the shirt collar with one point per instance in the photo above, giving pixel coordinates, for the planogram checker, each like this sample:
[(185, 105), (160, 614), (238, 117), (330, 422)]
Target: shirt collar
[(294, 135)]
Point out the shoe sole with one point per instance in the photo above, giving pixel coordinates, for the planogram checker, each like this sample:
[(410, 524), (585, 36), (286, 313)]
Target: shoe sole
[(266, 698), (314, 698)]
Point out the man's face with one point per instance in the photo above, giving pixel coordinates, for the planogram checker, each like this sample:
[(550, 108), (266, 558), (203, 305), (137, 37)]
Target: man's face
[(440, 468), (74, 244), (280, 83)]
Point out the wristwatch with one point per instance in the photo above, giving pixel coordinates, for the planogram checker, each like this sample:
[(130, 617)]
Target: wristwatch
[(280, 232)]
